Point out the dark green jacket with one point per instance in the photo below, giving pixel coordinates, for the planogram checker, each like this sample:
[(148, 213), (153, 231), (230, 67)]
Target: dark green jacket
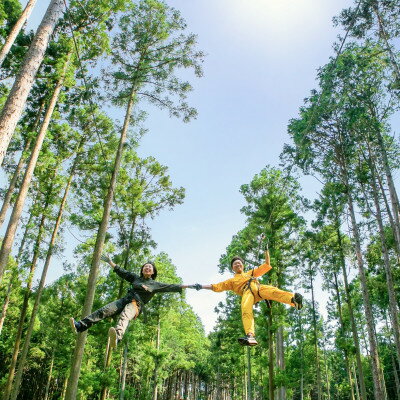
[(137, 290)]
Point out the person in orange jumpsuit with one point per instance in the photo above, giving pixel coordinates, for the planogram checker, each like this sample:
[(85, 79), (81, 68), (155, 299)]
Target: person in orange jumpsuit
[(245, 284)]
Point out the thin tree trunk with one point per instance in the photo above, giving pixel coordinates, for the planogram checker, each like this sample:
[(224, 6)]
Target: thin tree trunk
[(394, 364), (280, 361), (155, 376), (17, 172), (388, 269), (123, 373), (301, 359), (356, 383), (319, 391), (15, 103), (24, 308), (351, 313), (342, 331), (24, 353), (271, 384), (392, 189), (14, 275), (15, 30), (378, 385), (328, 385), (19, 203), (6, 303), (46, 394), (13, 183), (80, 342)]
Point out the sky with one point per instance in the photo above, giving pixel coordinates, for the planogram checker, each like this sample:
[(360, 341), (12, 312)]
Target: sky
[(261, 62)]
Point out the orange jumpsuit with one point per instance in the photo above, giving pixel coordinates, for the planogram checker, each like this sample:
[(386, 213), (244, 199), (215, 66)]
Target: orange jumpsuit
[(253, 294)]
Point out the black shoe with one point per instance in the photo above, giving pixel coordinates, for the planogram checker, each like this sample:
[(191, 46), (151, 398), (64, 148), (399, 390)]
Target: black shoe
[(297, 300), (248, 340)]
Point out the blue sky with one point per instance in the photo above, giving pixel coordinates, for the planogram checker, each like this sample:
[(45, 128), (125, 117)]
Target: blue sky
[(262, 57)]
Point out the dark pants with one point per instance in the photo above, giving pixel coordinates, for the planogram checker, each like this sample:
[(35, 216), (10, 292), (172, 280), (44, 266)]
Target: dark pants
[(128, 310)]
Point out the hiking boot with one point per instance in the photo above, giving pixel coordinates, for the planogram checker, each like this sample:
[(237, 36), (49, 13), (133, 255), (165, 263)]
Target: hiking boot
[(112, 336), (297, 300), (248, 340)]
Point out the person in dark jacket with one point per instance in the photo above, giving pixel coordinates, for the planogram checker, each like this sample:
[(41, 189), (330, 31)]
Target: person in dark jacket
[(142, 289)]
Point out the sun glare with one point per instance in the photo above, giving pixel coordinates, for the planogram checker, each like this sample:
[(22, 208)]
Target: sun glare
[(281, 17)]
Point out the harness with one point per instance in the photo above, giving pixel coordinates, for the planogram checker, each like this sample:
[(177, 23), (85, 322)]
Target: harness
[(248, 287), (248, 284)]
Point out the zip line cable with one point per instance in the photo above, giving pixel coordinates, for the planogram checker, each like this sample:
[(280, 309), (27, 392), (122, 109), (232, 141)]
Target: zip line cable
[(124, 233)]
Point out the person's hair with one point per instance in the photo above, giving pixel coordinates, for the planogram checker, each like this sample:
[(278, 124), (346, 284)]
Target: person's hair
[(154, 276), (237, 258)]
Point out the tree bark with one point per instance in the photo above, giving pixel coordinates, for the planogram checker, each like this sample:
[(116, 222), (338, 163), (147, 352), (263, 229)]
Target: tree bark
[(91, 287), (378, 385), (351, 314), (319, 391), (24, 308), (6, 303), (15, 30), (280, 361), (342, 331), (386, 261), (23, 192), (15, 102), (271, 384), (123, 373), (24, 353), (155, 376), (46, 394), (17, 172)]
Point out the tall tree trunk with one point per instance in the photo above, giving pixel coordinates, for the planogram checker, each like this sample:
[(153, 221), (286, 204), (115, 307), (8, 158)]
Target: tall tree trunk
[(378, 385), (24, 308), (13, 183), (123, 373), (392, 189), (156, 367), (386, 261), (301, 358), (351, 313), (394, 364), (342, 332), (319, 391), (356, 383), (328, 385), (280, 361), (271, 384), (46, 393), (101, 234), (15, 273), (18, 169), (6, 302), (15, 103), (15, 30), (39, 291), (23, 192)]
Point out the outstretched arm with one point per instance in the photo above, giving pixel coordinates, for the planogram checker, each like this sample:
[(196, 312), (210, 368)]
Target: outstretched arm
[(123, 273), (197, 286), (264, 268)]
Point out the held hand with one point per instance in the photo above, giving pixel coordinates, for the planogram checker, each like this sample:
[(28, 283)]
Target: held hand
[(196, 286), (267, 259)]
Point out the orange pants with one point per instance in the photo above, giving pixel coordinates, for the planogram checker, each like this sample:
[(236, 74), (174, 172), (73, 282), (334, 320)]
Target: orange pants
[(256, 294)]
